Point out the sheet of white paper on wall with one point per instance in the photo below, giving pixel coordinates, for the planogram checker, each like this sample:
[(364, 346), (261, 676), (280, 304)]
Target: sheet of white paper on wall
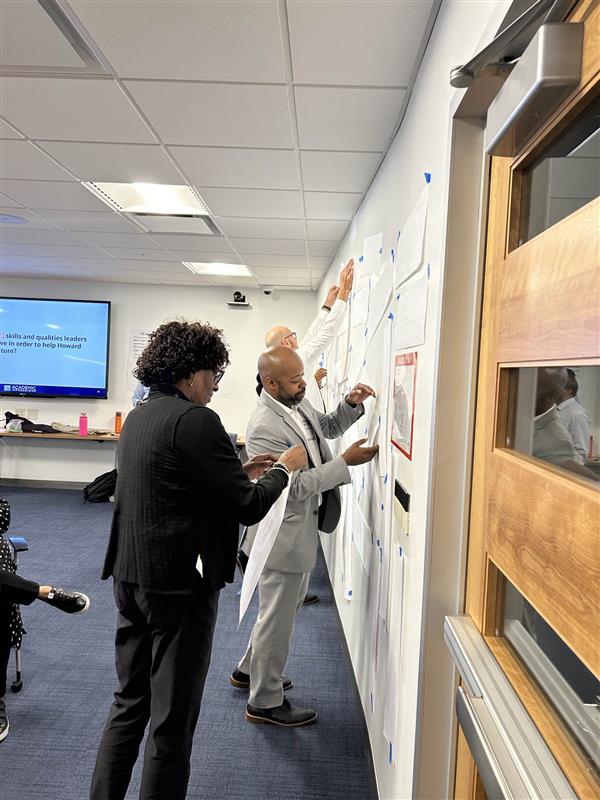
[(411, 313), (138, 339), (347, 504), (360, 306), (261, 548), (410, 245), (371, 254), (395, 627), (379, 298), (356, 355), (361, 535)]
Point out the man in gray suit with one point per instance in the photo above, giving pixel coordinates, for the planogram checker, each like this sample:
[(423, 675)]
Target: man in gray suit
[(283, 418)]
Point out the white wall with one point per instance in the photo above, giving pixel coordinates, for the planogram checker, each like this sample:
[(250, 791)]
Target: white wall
[(144, 306), (422, 145)]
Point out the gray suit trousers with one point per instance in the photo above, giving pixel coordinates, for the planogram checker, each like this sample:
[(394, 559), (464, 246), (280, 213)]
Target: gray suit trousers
[(280, 596)]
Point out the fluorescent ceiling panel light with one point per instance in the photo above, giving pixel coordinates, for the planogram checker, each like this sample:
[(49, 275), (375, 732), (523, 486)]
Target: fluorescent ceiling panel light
[(148, 198), (214, 268)]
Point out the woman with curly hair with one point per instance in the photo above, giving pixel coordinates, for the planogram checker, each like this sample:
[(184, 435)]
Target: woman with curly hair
[(180, 497)]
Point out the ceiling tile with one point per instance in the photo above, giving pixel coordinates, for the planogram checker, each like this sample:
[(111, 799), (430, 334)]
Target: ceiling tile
[(33, 221), (54, 261), (331, 205), (261, 228), (131, 241), (119, 163), (273, 273), (322, 248), (191, 244), (250, 168), (172, 257), (262, 202), (51, 194), (71, 110), (265, 260), (153, 266), (291, 247), (326, 229), (9, 202), (8, 132), (29, 37), (109, 221), (55, 251), (235, 41), (374, 113), (319, 262), (301, 282), (329, 171), (388, 37), (21, 159), (48, 236), (216, 114)]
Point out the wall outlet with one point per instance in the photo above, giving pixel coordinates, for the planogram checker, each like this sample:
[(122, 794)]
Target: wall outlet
[(32, 413)]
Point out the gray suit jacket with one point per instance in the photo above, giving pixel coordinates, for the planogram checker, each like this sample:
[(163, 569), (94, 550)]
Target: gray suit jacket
[(272, 430)]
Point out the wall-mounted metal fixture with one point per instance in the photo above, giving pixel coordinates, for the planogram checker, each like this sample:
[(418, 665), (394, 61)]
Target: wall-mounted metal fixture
[(548, 70), (500, 56)]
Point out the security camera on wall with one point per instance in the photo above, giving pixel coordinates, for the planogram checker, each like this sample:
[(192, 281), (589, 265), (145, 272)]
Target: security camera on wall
[(267, 290), (239, 301)]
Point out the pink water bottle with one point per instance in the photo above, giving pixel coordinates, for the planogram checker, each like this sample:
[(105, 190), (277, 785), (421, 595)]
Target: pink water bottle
[(83, 426)]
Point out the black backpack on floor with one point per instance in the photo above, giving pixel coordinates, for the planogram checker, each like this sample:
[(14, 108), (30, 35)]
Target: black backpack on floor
[(102, 488)]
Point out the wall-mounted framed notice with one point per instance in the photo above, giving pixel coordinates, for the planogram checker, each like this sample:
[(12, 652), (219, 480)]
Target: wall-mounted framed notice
[(405, 381)]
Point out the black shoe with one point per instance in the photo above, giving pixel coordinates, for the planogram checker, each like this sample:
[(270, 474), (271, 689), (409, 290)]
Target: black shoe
[(310, 599), (69, 602), (285, 715), (4, 724), (242, 561), (241, 680)]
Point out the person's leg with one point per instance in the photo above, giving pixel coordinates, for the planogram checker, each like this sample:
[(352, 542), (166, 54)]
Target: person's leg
[(280, 596), (4, 659), (130, 710), (15, 589), (182, 629)]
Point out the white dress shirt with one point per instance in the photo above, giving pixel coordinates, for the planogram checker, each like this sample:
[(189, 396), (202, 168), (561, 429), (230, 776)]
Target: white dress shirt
[(577, 421), (321, 333), (306, 430)]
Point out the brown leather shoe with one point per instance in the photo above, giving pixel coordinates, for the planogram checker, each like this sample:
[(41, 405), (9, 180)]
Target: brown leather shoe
[(309, 599)]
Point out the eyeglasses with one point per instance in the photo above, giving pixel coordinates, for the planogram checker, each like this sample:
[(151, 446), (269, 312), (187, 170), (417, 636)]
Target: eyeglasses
[(289, 336), (218, 374)]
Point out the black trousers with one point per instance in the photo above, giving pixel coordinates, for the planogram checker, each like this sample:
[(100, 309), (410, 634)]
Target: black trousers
[(163, 647), (13, 589)]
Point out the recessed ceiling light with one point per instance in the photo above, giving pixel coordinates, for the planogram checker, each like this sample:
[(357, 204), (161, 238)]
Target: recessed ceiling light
[(214, 268), (10, 219), (148, 198)]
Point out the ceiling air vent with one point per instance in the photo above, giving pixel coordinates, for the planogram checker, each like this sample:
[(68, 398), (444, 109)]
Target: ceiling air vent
[(159, 208)]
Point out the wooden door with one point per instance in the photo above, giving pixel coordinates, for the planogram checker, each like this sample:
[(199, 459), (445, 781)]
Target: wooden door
[(534, 536)]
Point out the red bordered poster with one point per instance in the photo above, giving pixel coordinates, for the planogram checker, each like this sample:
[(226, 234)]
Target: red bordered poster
[(405, 381)]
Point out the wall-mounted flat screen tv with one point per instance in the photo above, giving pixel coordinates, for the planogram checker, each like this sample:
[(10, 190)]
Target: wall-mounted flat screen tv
[(54, 348)]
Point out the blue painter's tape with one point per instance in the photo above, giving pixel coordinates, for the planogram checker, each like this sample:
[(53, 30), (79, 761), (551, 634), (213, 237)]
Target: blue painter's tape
[(427, 177), (361, 258), (349, 592), (380, 250), (382, 506), (428, 271), (390, 752), (391, 315), (398, 296), (400, 549), (385, 479), (393, 255), (398, 237), (371, 702)]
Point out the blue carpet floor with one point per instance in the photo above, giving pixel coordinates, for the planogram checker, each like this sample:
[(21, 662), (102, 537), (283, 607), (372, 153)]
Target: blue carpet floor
[(57, 719)]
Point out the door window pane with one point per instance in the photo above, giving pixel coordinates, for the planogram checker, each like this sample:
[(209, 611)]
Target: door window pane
[(554, 415), (570, 687), (564, 178)]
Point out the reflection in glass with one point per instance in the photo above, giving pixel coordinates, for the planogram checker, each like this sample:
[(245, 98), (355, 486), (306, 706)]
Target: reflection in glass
[(565, 177), (565, 680), (557, 417)]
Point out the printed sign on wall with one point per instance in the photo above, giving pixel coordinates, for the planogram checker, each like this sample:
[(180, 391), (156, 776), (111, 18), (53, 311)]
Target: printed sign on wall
[(405, 380)]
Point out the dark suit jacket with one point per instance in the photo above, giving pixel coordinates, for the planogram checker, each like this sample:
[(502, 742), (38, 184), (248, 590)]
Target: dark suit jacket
[(181, 492)]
